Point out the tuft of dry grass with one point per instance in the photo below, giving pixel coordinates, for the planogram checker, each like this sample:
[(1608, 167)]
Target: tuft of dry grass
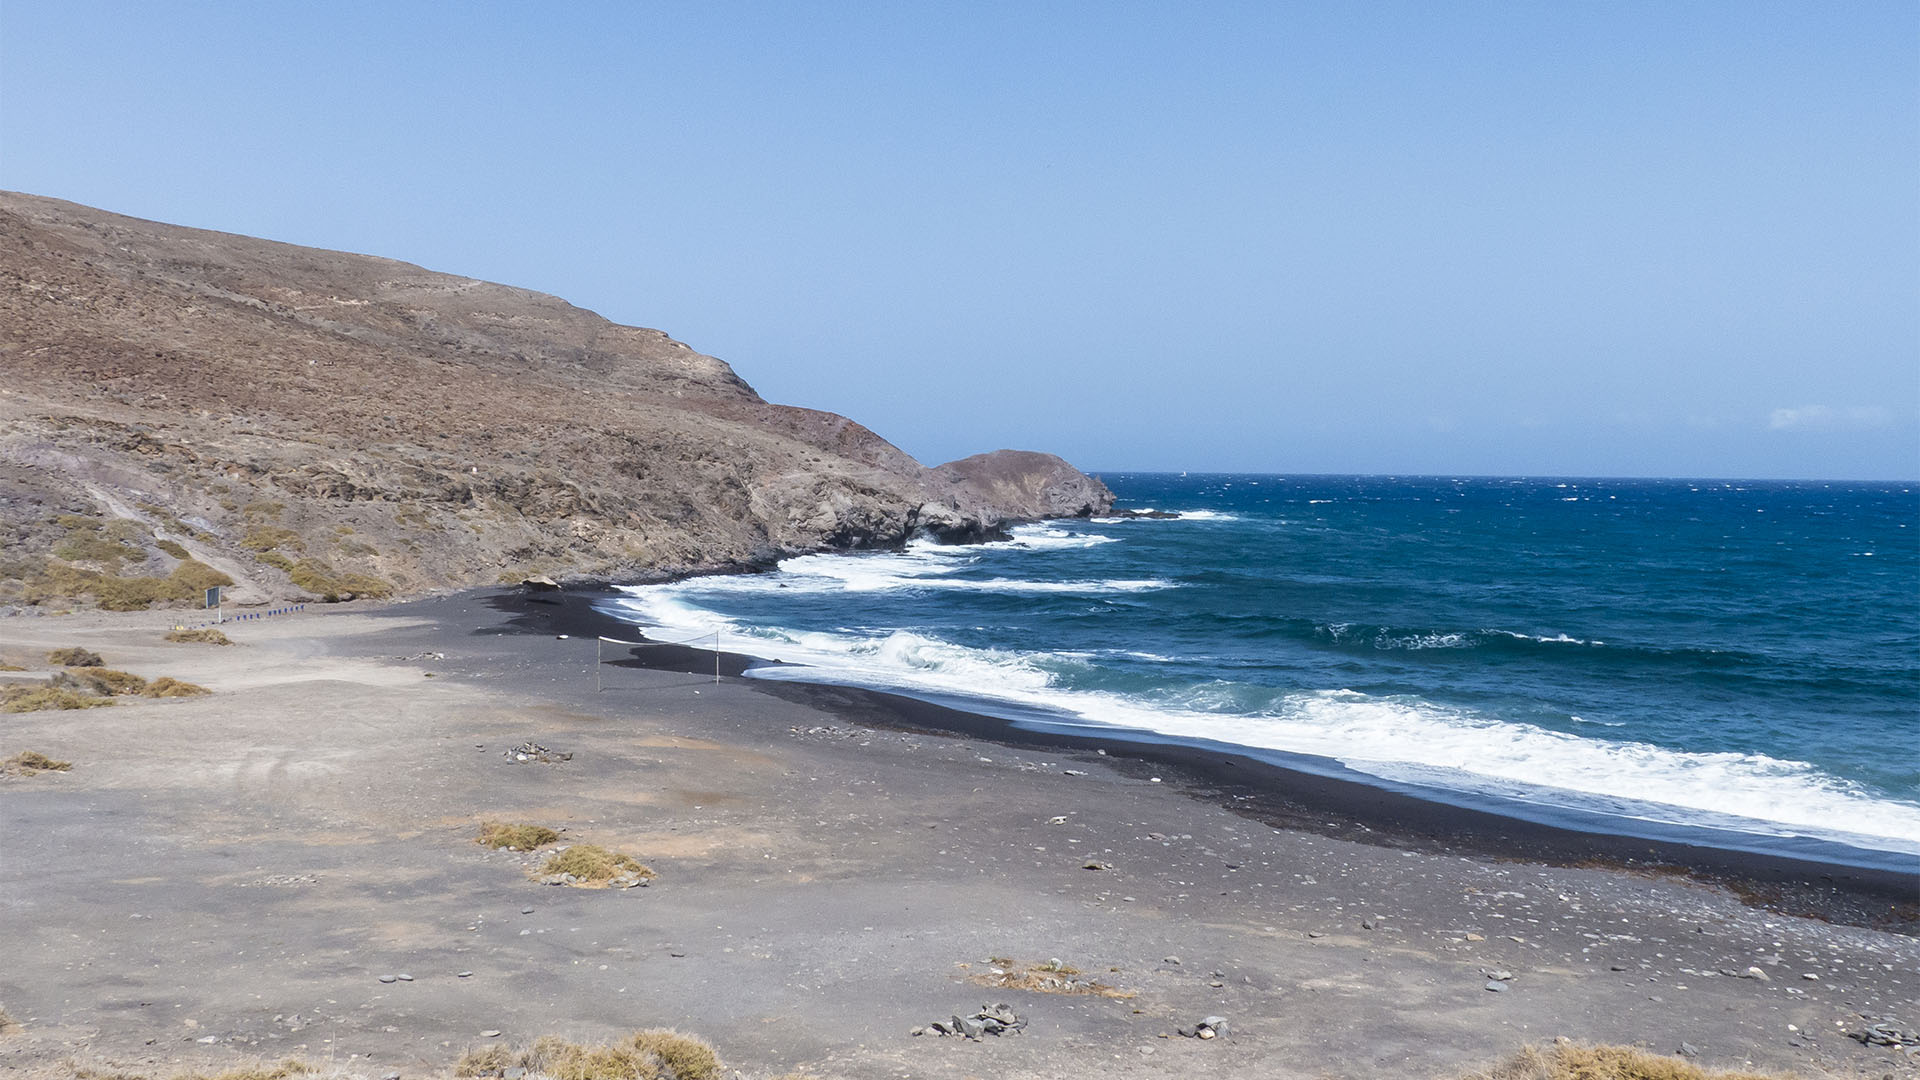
[(1583, 1061), (497, 835), (206, 636), (105, 681), (4, 666), (593, 865), (168, 686), (645, 1055), (74, 656), (18, 699), (1052, 977), (28, 762)]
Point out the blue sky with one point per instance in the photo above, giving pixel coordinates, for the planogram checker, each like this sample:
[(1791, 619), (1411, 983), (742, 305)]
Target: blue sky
[(1586, 239)]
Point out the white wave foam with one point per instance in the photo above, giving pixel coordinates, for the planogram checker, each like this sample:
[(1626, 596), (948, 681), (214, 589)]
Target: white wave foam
[(1206, 515), (1396, 739), (1043, 538), (924, 565)]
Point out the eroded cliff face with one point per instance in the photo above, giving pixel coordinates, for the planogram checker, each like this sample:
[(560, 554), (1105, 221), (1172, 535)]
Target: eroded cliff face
[(176, 405)]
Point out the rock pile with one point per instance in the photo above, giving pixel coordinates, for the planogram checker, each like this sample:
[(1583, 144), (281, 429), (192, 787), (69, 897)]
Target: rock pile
[(990, 1020), (1211, 1027), (533, 751), (1885, 1032)]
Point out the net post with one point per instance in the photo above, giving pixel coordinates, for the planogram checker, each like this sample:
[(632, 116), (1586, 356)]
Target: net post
[(716, 658), (599, 644)]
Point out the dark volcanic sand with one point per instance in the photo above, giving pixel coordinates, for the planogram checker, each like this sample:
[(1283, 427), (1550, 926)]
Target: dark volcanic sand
[(832, 872)]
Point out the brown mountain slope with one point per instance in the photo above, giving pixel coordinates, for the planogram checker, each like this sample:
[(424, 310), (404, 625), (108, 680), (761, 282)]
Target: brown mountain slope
[(314, 422)]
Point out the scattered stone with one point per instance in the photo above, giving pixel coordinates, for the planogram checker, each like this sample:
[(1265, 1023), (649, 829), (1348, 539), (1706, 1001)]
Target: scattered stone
[(1073, 772), (1366, 924), (390, 1074), (917, 1031), (1496, 987), (388, 978), (1093, 864), (1687, 1049), (490, 1033), (404, 977), (1810, 976), (1497, 975), (464, 975), (1315, 933), (1208, 1028), (1756, 973), (1174, 960), (526, 911), (1476, 937)]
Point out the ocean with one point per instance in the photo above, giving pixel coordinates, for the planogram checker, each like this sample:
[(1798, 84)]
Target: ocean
[(1735, 663)]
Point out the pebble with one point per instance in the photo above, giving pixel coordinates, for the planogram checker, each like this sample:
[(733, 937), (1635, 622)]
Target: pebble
[(464, 975), (391, 1074), (490, 1033), (526, 911), (1687, 1049), (1810, 976), (404, 977), (1756, 973), (388, 978), (1496, 987)]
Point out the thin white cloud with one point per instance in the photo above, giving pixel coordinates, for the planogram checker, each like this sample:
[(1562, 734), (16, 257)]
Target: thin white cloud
[(1827, 418)]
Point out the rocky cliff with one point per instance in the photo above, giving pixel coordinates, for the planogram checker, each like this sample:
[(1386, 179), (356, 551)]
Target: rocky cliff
[(178, 406)]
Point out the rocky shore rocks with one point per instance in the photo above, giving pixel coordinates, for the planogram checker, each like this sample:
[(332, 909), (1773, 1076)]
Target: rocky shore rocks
[(184, 408)]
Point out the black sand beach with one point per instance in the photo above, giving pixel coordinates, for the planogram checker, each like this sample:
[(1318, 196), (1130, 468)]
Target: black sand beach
[(228, 878)]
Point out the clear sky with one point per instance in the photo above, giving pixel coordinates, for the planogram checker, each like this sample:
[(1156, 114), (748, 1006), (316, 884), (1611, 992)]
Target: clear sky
[(1548, 238)]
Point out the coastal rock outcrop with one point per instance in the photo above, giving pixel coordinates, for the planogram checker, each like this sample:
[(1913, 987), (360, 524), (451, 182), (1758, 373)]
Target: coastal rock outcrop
[(179, 406)]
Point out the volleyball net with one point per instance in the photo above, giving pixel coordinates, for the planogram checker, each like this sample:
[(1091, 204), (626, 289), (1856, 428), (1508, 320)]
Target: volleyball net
[(704, 641)]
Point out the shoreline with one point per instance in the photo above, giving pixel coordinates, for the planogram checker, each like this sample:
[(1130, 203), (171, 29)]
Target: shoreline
[(1238, 778)]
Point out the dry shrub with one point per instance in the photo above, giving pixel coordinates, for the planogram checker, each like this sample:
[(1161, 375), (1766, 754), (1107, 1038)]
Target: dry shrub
[(208, 636), (28, 762), (644, 1055), (1580, 1061), (74, 656), (492, 1060), (103, 681), (1052, 977), (319, 577), (17, 699), (595, 865), (59, 581), (168, 686), (499, 835), (10, 667), (174, 549)]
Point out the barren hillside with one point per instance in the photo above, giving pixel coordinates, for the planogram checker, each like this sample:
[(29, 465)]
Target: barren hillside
[(177, 405)]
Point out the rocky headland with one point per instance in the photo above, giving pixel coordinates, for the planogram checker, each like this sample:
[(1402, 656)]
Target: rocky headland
[(181, 408)]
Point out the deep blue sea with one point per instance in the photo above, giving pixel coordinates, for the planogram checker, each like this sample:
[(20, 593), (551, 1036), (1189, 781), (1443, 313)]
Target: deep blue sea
[(1640, 656)]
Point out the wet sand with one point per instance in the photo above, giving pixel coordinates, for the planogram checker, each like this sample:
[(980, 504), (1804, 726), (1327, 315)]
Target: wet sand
[(228, 877)]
